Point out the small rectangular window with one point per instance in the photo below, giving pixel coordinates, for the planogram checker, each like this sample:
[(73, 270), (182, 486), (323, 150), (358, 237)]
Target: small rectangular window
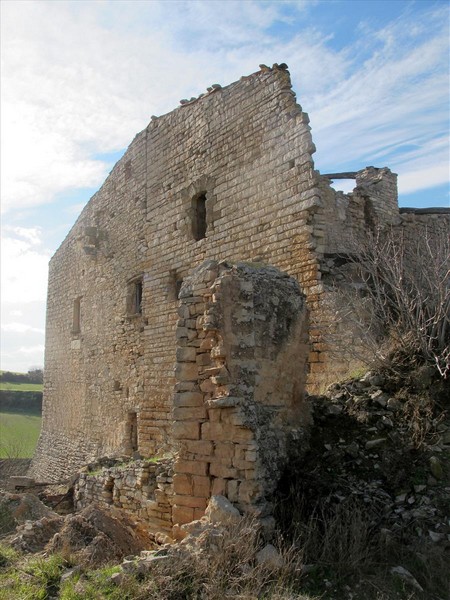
[(134, 297), (76, 317), (178, 284), (131, 441), (175, 283)]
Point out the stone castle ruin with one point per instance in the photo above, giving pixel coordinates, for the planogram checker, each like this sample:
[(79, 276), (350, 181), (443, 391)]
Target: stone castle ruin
[(211, 245)]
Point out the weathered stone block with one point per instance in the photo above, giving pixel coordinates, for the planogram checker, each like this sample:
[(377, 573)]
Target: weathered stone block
[(224, 449), (225, 432), (186, 354), (190, 413), (186, 430), (201, 447), (190, 501), (188, 399), (189, 466), (222, 471), (182, 514), (249, 492), (202, 486), (186, 371), (219, 487), (182, 484)]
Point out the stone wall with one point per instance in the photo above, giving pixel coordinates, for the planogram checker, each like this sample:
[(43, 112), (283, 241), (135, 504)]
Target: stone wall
[(138, 487), (246, 149), (341, 221), (335, 220), (228, 175), (239, 406)]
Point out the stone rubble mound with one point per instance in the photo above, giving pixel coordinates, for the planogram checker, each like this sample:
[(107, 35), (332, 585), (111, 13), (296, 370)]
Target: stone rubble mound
[(99, 537), (96, 536), (208, 536), (361, 449), (20, 510)]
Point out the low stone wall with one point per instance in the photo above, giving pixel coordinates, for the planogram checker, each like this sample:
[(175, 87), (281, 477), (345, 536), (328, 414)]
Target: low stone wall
[(139, 487)]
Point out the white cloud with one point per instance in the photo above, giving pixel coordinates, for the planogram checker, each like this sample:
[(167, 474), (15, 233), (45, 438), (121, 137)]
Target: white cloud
[(64, 100), (24, 266), (81, 78), (390, 109), (31, 349), (32, 235), (420, 179), (21, 328)]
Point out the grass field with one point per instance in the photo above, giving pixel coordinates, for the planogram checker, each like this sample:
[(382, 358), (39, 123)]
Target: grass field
[(18, 434), (21, 387)]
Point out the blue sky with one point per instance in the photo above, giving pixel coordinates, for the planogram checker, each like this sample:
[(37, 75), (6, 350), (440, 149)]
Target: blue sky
[(80, 78)]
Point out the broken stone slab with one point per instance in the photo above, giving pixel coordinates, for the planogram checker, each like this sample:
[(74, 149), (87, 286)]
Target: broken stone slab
[(224, 402), (270, 557), (436, 467), (394, 404), (371, 444), (220, 510), (117, 578), (407, 576), (20, 481)]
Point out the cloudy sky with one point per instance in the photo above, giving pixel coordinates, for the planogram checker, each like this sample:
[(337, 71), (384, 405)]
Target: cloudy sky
[(80, 78)]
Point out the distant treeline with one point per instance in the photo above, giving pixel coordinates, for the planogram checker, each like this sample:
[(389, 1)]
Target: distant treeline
[(14, 401), (34, 375)]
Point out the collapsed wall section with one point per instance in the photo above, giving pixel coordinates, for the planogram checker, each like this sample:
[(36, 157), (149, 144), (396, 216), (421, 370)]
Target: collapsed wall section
[(342, 227), (336, 221), (239, 405)]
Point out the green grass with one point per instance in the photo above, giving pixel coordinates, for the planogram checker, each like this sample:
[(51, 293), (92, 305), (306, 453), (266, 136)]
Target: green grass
[(21, 387), (18, 434), (33, 579)]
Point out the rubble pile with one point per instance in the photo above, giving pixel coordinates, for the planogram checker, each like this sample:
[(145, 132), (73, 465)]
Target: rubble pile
[(363, 450)]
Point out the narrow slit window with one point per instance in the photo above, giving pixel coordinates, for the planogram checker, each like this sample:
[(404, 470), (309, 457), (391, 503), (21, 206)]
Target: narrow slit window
[(199, 217), (178, 284), (134, 297), (132, 430), (175, 283), (138, 297), (76, 318)]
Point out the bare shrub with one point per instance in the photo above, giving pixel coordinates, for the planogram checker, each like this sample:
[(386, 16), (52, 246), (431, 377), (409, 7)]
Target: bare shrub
[(221, 564), (394, 300), (331, 535)]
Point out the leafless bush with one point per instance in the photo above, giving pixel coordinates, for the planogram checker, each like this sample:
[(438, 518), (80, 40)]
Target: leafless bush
[(223, 565), (332, 535), (394, 297)]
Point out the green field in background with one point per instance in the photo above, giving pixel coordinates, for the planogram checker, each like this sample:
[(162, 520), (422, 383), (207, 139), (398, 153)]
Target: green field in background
[(18, 434), (21, 387)]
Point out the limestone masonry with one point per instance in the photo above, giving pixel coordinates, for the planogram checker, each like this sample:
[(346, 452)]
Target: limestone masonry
[(211, 245)]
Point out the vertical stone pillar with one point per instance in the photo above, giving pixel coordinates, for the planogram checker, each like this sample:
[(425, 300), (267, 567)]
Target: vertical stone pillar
[(380, 187), (239, 398)]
